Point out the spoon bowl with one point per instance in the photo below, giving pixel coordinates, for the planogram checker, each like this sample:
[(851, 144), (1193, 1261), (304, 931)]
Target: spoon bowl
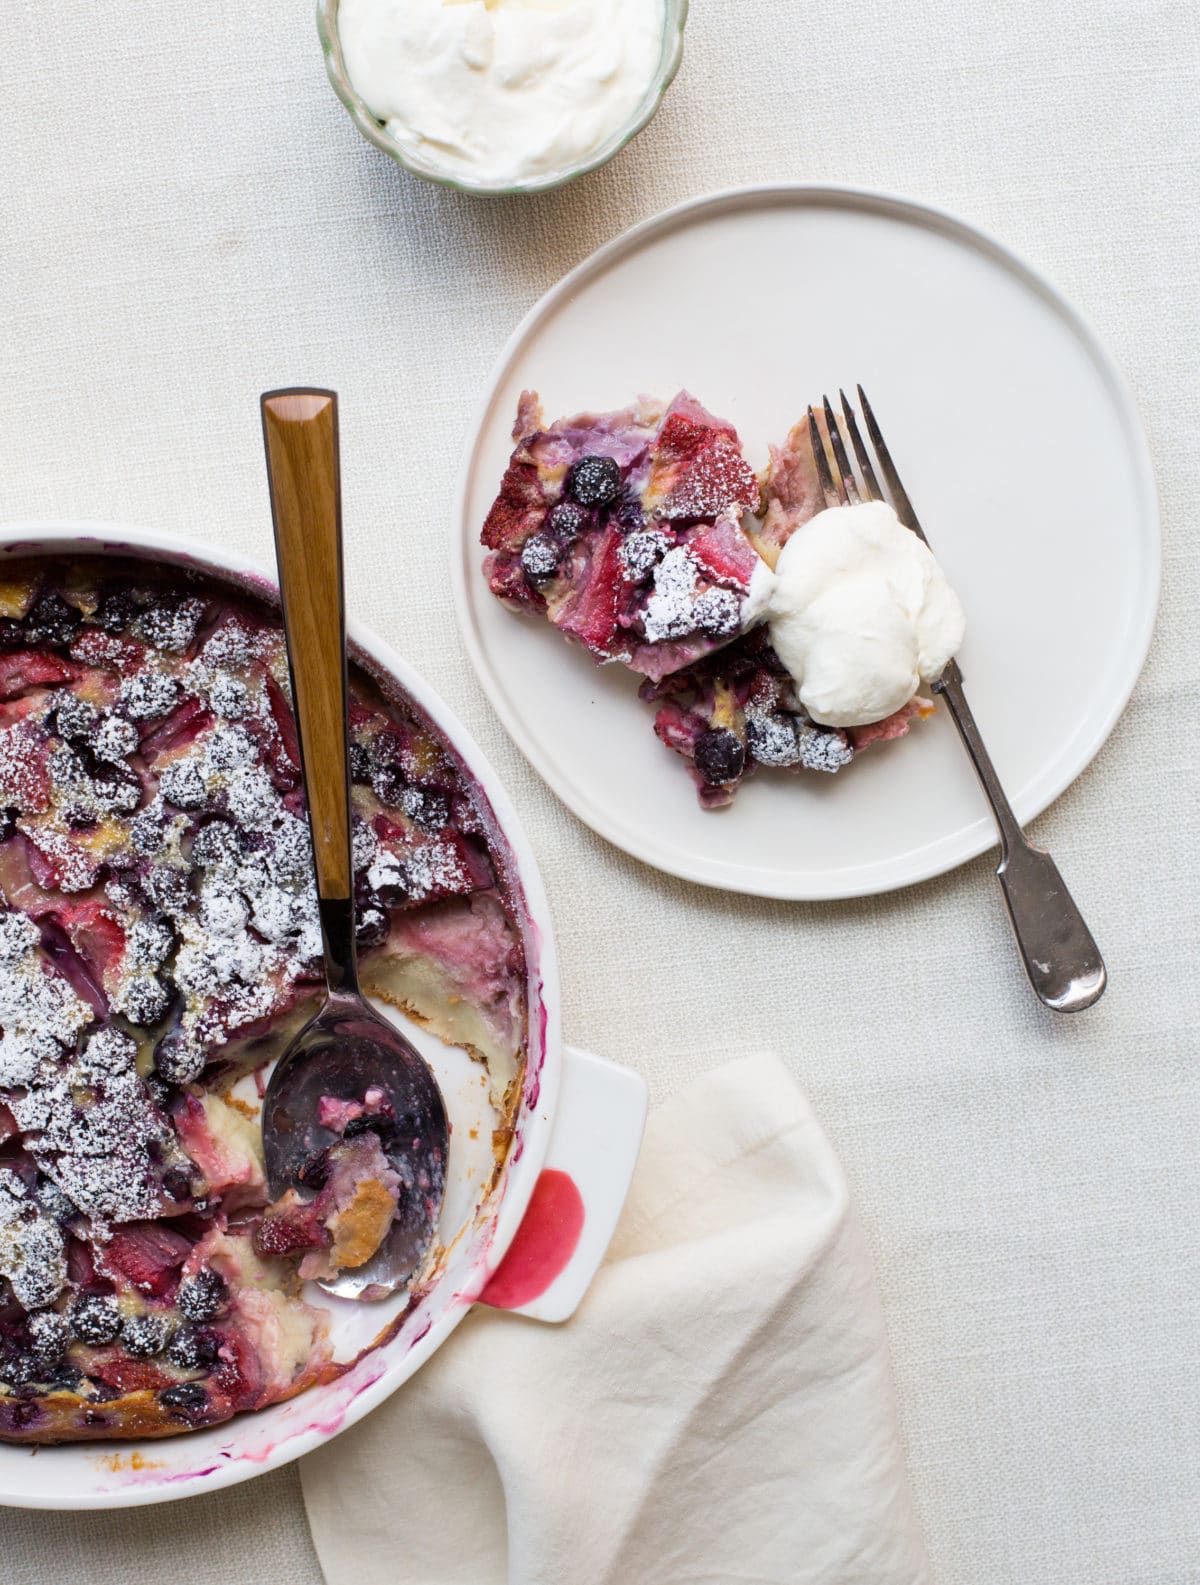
[(343, 1054)]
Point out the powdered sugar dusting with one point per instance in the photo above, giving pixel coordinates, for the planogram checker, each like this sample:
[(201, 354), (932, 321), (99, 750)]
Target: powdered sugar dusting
[(88, 1119), (641, 551), (148, 694), (671, 610), (33, 1252), (23, 782), (716, 477), (230, 975)]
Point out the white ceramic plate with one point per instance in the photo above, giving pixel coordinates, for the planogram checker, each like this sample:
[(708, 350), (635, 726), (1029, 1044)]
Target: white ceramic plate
[(1018, 443)]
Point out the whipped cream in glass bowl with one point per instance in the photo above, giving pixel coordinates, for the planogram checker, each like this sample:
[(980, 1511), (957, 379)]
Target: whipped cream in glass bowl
[(861, 614), (501, 96)]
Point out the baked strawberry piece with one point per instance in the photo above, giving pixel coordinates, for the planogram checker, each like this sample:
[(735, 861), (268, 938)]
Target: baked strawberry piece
[(624, 530)]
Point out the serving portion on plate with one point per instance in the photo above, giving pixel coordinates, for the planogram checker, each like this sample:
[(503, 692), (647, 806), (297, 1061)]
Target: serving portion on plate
[(159, 944), (758, 300), (772, 630)]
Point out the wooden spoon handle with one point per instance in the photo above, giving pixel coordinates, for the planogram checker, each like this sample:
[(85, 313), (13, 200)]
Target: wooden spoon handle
[(301, 435)]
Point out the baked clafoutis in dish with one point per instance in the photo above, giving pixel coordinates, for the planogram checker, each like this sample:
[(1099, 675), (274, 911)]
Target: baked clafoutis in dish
[(770, 631), (159, 945)]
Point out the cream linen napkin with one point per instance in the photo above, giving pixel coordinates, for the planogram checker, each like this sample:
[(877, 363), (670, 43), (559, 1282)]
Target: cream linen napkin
[(719, 1410)]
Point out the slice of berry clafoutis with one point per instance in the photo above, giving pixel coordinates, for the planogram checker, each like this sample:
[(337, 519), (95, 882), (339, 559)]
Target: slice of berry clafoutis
[(644, 535), (625, 531)]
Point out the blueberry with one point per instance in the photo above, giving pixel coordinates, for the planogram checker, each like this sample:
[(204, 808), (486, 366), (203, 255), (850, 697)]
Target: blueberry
[(428, 809), (201, 1296), (95, 1319), (116, 787), (12, 634), (50, 1334), (178, 1184), (314, 1172), (392, 887), (541, 555), (148, 832), (169, 888), (386, 748), (114, 738), (64, 1377), (629, 516), (107, 1054), (51, 620), (594, 481), (181, 784), (147, 695), (720, 756), (370, 925), (360, 763), (216, 844), (116, 611), (641, 552), (177, 1059), (18, 1370), (187, 1395), (72, 718), (824, 751), (386, 773), (192, 1348), (145, 1000), (718, 613), (170, 624), (229, 697), (8, 822), (773, 739), (144, 1336), (567, 521), (160, 1092), (388, 784)]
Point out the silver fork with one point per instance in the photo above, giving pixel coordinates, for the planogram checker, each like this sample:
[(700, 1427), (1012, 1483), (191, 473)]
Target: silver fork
[(1061, 958)]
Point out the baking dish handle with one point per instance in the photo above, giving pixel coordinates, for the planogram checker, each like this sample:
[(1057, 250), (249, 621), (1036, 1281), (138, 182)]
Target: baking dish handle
[(573, 1210)]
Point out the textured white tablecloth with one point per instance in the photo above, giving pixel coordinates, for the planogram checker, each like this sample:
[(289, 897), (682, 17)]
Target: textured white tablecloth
[(187, 217)]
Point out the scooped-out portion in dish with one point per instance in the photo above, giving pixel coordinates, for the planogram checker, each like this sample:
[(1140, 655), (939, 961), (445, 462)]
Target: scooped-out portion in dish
[(158, 944), (770, 631)]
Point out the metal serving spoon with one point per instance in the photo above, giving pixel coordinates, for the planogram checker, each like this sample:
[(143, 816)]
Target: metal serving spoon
[(346, 1048)]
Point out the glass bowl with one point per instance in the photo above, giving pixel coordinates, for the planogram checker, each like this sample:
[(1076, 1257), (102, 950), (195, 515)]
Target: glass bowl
[(374, 130)]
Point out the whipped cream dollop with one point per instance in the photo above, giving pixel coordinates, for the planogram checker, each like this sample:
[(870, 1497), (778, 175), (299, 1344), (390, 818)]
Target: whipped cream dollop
[(861, 614), (498, 91)]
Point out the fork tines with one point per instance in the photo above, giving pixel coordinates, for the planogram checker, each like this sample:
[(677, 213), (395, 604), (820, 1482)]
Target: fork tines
[(860, 450), (849, 484), (824, 477), (838, 482)]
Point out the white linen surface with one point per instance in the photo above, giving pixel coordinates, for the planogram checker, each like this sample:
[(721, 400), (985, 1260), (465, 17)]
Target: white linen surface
[(720, 1408), (187, 217)]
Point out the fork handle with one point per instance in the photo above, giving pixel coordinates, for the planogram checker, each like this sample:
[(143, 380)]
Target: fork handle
[(1060, 955)]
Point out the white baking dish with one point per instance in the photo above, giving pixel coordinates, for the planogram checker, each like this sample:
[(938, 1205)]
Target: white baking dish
[(580, 1119)]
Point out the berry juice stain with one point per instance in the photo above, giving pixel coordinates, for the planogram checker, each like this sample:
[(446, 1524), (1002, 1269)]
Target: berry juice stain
[(545, 1241)]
